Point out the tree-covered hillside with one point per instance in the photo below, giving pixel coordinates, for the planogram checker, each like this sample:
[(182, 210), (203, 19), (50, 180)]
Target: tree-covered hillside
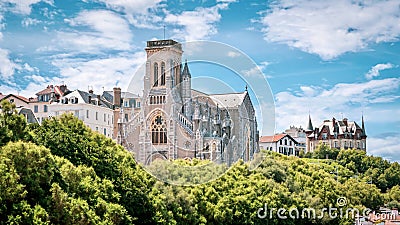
[(61, 172)]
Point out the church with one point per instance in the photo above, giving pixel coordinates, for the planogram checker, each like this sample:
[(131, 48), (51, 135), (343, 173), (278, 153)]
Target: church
[(176, 121)]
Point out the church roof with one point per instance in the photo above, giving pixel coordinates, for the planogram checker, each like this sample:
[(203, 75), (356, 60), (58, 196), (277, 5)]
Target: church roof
[(229, 100)]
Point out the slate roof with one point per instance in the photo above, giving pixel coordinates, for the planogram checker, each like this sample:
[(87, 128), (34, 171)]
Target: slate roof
[(103, 101), (230, 99)]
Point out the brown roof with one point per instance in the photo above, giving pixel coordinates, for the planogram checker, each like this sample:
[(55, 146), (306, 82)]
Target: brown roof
[(273, 138), (22, 98)]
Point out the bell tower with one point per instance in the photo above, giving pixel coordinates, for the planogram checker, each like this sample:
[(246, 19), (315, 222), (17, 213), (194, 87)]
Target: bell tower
[(163, 70), (161, 97)]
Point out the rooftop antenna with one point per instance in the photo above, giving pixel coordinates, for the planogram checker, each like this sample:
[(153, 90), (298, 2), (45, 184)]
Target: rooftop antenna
[(164, 32)]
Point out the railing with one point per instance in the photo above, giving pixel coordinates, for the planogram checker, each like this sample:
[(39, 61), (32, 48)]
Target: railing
[(185, 123)]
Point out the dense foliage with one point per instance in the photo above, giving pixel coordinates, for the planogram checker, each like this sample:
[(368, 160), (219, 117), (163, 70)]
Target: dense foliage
[(61, 172)]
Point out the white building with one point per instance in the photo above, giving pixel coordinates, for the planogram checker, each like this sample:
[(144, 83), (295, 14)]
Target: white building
[(95, 111), (298, 134), (281, 143), (40, 104)]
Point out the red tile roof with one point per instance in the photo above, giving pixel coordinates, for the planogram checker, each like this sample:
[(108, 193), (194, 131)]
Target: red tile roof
[(273, 138), (57, 90)]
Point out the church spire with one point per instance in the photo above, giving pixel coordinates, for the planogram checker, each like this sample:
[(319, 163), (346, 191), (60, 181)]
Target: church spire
[(186, 71), (364, 134), (310, 126)]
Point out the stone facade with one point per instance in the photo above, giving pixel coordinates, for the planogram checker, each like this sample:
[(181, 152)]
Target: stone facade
[(340, 134), (176, 121)]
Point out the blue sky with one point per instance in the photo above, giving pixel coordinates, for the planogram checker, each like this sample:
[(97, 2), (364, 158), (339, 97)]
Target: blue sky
[(329, 58)]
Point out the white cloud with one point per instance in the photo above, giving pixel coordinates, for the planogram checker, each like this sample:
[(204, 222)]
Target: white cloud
[(256, 71), (197, 24), (29, 22), (387, 147), (104, 72), (22, 6), (348, 98), (140, 13), (107, 31), (374, 71), (233, 54), (2, 25), (331, 28), (132, 6), (7, 66)]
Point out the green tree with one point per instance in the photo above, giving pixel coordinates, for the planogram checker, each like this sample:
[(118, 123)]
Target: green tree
[(12, 126)]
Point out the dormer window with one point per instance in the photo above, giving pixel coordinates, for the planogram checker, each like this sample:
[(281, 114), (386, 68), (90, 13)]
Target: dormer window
[(126, 103)]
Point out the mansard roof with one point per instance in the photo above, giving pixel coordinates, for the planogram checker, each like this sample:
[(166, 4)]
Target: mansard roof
[(89, 98), (109, 95), (339, 126)]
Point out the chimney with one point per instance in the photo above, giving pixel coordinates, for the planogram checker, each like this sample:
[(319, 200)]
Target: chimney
[(98, 99), (90, 99), (345, 121), (117, 96), (63, 88)]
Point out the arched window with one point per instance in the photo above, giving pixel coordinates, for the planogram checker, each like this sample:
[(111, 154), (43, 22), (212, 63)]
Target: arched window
[(155, 74), (158, 131), (162, 73)]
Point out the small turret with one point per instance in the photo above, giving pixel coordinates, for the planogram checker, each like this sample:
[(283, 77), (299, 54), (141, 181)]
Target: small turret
[(217, 116), (186, 91), (310, 126), (227, 120), (186, 72), (196, 113), (364, 134)]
